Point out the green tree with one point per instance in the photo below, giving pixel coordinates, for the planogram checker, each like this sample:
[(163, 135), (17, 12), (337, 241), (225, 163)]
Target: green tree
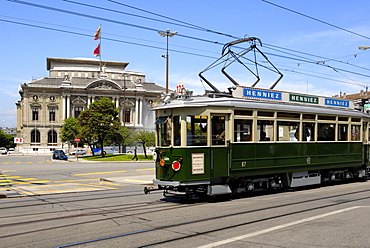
[(121, 137), (99, 121), (6, 140), (70, 130), (145, 138)]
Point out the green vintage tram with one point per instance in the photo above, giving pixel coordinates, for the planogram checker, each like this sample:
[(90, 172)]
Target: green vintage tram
[(257, 139), (250, 138)]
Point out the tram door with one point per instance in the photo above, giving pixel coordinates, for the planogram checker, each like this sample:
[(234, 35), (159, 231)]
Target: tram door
[(219, 151)]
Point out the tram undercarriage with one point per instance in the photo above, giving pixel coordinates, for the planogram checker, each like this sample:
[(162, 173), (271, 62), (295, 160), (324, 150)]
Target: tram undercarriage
[(251, 184)]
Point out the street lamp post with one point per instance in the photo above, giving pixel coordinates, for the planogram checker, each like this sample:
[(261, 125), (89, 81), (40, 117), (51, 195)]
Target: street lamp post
[(167, 34)]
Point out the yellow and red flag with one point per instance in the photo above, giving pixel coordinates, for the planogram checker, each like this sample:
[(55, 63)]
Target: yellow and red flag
[(97, 34)]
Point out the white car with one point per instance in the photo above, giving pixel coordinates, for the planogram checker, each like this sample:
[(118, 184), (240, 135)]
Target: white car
[(3, 150), (11, 150), (78, 151)]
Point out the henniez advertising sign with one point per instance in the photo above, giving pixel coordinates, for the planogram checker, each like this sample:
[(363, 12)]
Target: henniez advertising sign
[(284, 96)]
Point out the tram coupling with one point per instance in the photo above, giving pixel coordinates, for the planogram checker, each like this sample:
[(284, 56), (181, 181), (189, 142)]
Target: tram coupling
[(147, 190)]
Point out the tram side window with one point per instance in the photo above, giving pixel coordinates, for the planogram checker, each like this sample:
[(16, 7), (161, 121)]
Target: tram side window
[(265, 130), (196, 130), (326, 132), (342, 132), (308, 132), (177, 130), (163, 129), (355, 133), (288, 131), (242, 130)]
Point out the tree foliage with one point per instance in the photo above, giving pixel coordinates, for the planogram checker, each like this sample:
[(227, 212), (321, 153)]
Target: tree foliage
[(70, 130), (146, 138), (6, 140), (99, 121)]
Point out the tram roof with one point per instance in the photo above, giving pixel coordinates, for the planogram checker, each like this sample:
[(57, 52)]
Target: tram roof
[(229, 102)]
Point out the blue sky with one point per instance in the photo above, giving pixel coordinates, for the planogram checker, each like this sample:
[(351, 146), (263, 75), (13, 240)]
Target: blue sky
[(339, 66)]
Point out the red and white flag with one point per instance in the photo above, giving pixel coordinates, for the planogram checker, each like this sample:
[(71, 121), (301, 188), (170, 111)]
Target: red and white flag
[(97, 51), (97, 34)]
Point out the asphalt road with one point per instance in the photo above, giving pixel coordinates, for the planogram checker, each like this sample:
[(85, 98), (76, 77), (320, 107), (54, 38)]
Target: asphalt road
[(328, 216), (39, 175)]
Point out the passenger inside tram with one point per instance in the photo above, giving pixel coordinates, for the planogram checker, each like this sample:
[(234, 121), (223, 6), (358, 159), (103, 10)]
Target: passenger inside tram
[(218, 133)]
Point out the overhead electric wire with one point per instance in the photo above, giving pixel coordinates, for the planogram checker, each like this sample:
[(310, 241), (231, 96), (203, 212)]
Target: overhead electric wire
[(308, 61), (110, 34), (103, 19), (318, 20), (106, 38), (166, 17), (313, 55), (134, 15), (142, 27)]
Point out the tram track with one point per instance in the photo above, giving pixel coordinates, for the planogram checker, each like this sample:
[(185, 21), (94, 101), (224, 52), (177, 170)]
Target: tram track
[(53, 200), (334, 203)]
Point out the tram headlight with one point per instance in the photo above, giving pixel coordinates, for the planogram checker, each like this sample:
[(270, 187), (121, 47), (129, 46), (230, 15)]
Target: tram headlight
[(176, 165)]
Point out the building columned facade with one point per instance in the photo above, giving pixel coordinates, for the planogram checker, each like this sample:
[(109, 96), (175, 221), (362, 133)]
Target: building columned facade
[(72, 85)]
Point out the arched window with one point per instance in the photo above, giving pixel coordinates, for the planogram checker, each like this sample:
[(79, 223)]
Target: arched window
[(35, 136), (52, 137)]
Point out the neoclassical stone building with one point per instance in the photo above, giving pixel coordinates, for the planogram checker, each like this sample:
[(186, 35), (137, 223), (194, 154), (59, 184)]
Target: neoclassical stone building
[(72, 85)]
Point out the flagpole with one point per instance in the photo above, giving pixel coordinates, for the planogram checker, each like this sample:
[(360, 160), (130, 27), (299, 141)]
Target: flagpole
[(97, 51), (100, 49)]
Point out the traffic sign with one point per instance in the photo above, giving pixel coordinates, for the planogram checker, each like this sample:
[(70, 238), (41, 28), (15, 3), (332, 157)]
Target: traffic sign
[(18, 140), (77, 140)]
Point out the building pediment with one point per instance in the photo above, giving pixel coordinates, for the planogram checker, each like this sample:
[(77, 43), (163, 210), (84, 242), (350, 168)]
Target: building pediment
[(103, 84)]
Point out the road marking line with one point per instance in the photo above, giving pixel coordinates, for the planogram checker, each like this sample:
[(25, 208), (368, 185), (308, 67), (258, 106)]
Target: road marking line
[(249, 235), (55, 191), (15, 180), (144, 169), (137, 181), (39, 186), (80, 180), (94, 173), (30, 182), (6, 176), (6, 163), (114, 184), (94, 186)]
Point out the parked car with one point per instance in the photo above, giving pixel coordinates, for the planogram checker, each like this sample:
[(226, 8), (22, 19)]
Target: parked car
[(59, 154), (79, 152), (11, 150), (3, 150)]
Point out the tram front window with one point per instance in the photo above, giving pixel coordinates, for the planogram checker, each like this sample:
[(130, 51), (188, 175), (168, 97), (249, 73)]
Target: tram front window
[(218, 130), (177, 130), (163, 129), (196, 130)]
